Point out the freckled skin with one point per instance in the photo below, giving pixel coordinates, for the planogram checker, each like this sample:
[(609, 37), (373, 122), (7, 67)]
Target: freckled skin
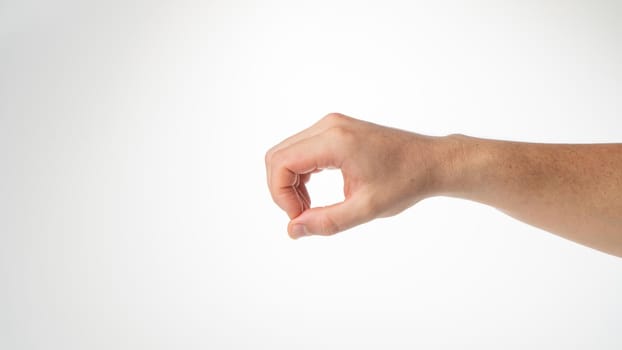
[(574, 191)]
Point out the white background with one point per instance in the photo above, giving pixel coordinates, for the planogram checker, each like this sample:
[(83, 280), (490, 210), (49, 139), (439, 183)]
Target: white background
[(133, 206)]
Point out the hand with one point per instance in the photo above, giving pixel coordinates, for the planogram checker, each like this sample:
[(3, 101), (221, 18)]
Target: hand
[(384, 170)]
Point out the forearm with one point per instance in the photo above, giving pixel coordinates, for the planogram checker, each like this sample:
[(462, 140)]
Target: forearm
[(574, 191)]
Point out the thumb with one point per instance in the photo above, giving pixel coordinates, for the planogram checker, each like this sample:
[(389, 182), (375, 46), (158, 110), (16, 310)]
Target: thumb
[(332, 219)]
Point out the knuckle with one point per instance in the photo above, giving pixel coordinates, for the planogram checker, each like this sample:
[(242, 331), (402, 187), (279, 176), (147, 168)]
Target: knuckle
[(328, 226), (268, 157), (334, 118), (276, 157)]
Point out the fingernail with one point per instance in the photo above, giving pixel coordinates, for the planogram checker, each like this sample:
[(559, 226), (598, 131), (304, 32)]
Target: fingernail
[(299, 230)]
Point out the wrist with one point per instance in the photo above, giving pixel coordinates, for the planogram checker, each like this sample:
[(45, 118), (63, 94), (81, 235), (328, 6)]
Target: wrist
[(461, 163)]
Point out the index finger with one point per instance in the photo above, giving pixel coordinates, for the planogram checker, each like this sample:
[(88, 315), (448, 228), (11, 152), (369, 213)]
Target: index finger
[(302, 157), (328, 121)]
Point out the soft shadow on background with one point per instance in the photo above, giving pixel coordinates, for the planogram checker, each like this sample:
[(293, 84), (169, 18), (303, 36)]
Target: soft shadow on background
[(133, 206)]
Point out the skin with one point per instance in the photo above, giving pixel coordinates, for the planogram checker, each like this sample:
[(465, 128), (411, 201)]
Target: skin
[(572, 190)]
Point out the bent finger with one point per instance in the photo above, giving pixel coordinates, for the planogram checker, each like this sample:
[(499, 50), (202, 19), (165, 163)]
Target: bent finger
[(328, 121), (292, 162)]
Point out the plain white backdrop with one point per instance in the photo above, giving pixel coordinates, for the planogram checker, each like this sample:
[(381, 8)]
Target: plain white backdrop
[(133, 207)]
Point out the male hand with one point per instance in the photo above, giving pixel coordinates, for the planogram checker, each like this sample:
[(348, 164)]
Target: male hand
[(385, 171)]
